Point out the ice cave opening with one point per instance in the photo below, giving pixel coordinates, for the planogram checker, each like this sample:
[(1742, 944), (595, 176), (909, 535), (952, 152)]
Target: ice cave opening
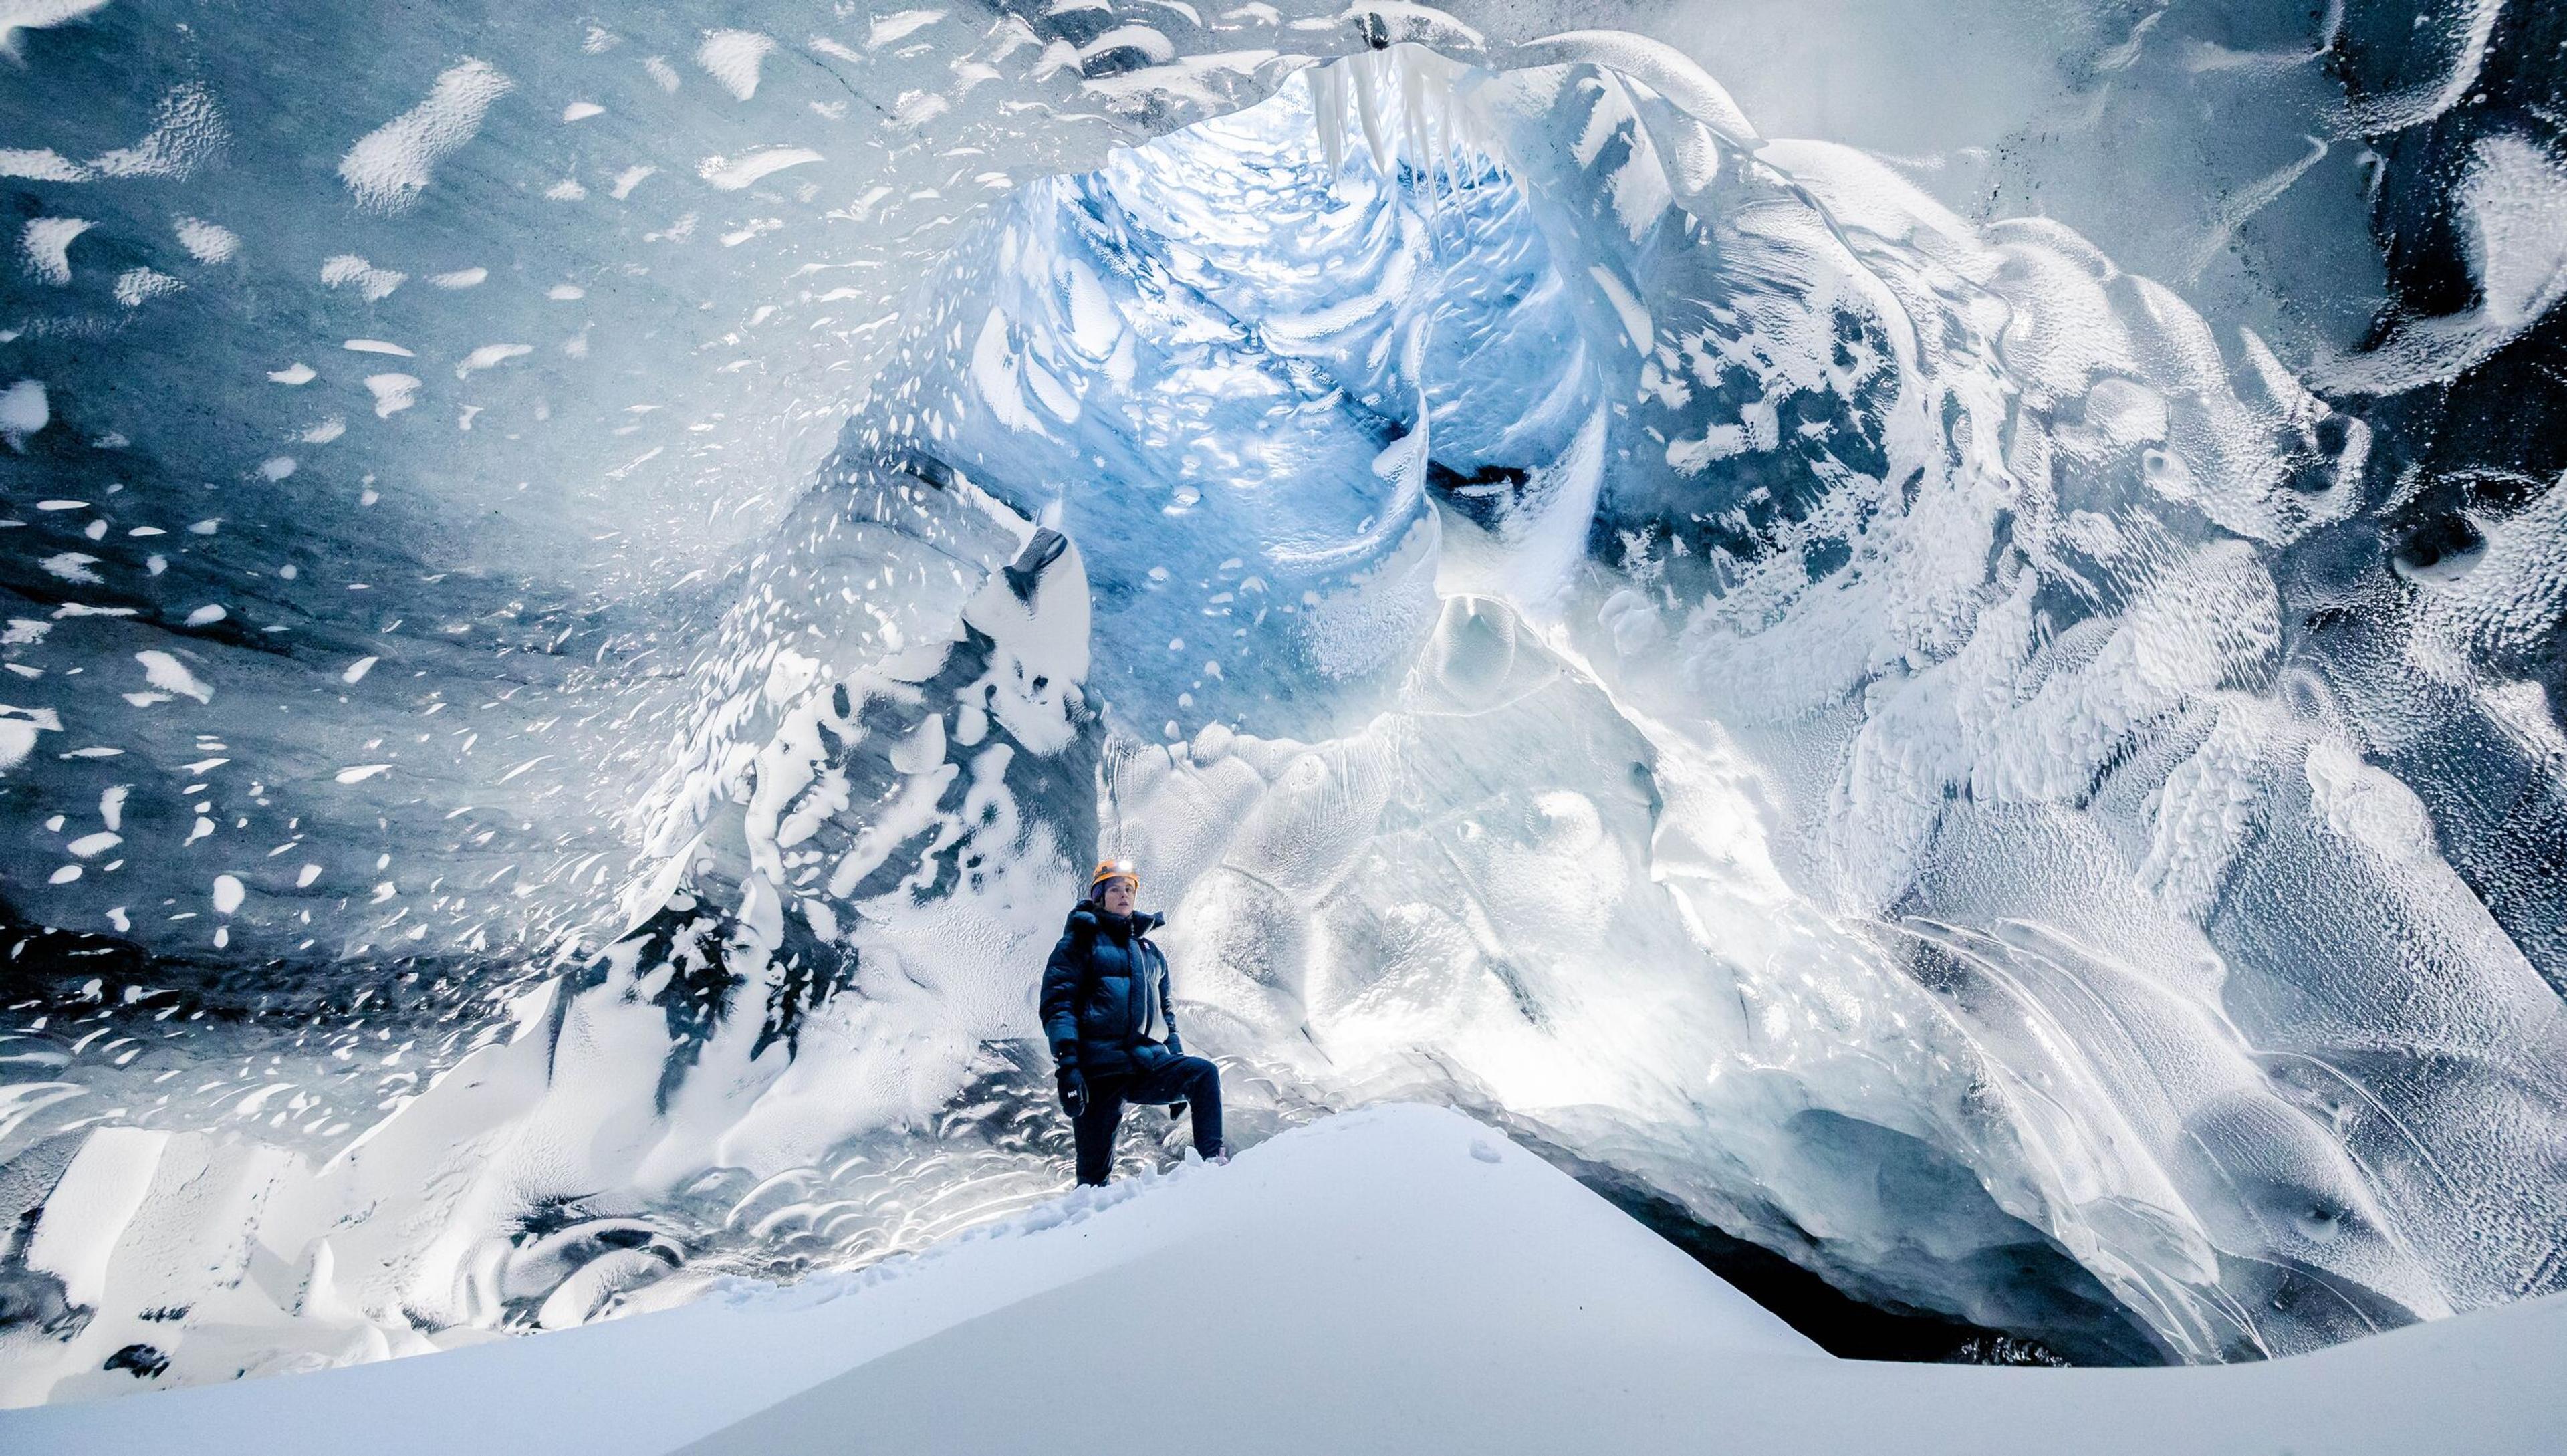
[(1898, 747)]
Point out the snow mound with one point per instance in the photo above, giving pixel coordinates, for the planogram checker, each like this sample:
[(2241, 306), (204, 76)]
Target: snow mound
[(1401, 1279)]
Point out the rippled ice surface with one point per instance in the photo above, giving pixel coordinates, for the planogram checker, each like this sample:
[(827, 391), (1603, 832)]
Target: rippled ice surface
[(581, 593)]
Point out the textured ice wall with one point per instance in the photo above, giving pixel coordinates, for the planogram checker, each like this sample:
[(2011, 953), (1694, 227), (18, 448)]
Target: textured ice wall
[(1817, 703)]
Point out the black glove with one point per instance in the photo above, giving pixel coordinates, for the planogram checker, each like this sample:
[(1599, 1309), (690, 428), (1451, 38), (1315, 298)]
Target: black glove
[(1073, 1090), (1176, 1109)]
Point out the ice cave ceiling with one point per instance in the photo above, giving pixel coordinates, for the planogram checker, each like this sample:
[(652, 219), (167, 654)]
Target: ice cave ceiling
[(1968, 702)]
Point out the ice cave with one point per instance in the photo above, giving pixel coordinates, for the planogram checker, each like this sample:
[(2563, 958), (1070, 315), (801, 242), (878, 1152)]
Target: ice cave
[(1919, 641)]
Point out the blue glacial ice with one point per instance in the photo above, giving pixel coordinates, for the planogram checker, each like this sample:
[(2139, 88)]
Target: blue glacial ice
[(580, 594)]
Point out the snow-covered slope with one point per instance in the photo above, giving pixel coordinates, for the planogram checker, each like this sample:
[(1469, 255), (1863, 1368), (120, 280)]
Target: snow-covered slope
[(1396, 1280)]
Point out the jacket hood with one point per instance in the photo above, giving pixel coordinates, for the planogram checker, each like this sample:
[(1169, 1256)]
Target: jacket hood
[(1085, 916)]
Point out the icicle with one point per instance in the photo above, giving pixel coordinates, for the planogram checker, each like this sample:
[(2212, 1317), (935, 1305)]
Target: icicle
[(1328, 112), (1414, 116), (1367, 80)]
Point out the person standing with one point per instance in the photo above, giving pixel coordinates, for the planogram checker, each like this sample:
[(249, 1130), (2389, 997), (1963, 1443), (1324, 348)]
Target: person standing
[(1108, 1014)]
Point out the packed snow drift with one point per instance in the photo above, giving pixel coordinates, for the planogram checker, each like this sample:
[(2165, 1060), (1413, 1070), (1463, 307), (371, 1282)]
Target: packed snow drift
[(1434, 1286), (582, 592)]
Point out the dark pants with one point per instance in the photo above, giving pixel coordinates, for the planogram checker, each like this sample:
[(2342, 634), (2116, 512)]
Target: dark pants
[(1192, 1078)]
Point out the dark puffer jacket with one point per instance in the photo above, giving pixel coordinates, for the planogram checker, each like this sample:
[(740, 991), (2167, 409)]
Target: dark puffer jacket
[(1104, 982)]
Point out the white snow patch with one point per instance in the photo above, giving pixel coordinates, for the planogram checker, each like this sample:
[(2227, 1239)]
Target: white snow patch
[(390, 166), (2513, 215), (138, 286), (2513, 204), (343, 270), (393, 392), (41, 165), (169, 675), (730, 174), (2465, 27), (18, 14), (17, 740), (899, 26), (733, 57), (917, 107), (47, 246), (206, 242), (490, 355), (2367, 804), (23, 411), (186, 130), (1635, 315)]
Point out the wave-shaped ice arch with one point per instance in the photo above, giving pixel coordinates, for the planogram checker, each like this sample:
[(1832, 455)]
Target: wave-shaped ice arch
[(1798, 702)]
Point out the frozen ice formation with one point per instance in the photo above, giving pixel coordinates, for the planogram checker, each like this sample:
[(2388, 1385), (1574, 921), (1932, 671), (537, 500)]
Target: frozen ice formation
[(560, 673)]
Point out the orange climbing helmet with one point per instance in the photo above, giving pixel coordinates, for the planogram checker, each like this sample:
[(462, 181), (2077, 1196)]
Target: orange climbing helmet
[(1113, 869)]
